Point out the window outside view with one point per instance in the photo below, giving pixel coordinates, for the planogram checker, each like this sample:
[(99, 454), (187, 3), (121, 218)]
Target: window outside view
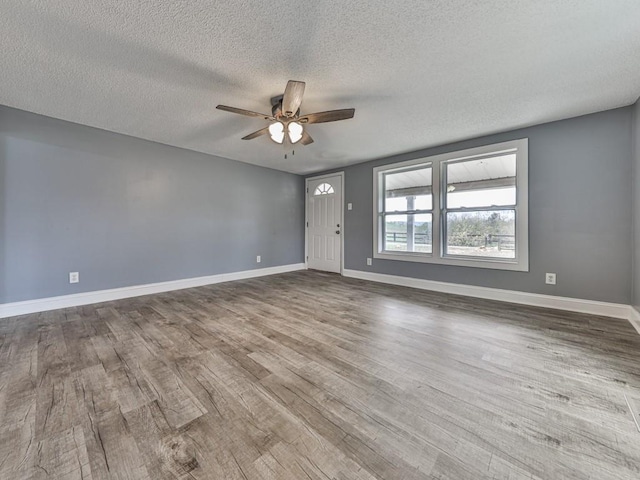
[(408, 221), (481, 234), (480, 216), (398, 237), (478, 209)]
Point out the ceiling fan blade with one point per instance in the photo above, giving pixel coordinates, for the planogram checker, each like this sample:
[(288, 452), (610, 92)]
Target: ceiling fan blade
[(292, 97), (330, 116), (306, 138), (241, 111), (251, 136)]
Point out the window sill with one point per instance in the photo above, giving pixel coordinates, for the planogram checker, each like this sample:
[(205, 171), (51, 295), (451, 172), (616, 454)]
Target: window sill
[(493, 264)]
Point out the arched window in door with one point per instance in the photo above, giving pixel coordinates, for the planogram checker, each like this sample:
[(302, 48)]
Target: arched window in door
[(324, 189)]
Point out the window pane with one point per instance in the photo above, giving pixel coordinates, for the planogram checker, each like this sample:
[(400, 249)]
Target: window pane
[(482, 183), (408, 190), (408, 233), (481, 234), (482, 198), (423, 202), (324, 189)]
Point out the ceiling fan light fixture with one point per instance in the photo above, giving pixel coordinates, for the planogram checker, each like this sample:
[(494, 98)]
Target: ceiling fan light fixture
[(295, 131), (286, 122), (276, 131)]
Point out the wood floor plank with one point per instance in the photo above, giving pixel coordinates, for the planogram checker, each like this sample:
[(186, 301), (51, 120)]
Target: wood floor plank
[(309, 375), (168, 453), (62, 456), (113, 452)]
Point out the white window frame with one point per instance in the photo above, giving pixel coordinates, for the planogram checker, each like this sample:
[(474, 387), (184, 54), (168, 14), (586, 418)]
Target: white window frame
[(437, 162)]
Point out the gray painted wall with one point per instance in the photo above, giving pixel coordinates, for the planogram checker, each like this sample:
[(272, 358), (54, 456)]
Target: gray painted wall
[(580, 212), (636, 204), (123, 211)]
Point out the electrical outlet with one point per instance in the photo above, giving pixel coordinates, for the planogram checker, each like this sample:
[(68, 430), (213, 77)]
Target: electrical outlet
[(550, 278), (369, 261), (258, 259), (349, 206), (74, 277)]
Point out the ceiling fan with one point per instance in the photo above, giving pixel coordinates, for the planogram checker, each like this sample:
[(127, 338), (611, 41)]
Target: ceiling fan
[(287, 123)]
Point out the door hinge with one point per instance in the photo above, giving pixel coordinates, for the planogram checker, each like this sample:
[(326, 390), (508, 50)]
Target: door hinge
[(307, 224), (307, 189)]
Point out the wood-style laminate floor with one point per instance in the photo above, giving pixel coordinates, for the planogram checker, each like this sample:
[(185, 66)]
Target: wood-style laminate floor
[(312, 376)]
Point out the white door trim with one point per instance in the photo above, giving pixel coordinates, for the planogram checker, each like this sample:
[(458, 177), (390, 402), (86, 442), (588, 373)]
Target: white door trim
[(306, 217)]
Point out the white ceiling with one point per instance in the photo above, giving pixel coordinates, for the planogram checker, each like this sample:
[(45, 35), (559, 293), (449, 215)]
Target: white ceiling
[(419, 73)]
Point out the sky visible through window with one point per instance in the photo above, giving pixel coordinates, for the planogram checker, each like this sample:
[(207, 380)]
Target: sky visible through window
[(472, 198)]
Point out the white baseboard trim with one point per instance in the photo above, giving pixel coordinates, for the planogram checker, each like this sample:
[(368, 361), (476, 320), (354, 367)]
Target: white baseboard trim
[(86, 298), (634, 318), (615, 310)]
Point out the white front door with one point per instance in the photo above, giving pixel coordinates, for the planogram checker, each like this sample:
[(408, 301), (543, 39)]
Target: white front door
[(324, 224)]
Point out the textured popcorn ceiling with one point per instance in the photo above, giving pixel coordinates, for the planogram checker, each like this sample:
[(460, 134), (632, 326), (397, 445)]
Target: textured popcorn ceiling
[(419, 73)]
